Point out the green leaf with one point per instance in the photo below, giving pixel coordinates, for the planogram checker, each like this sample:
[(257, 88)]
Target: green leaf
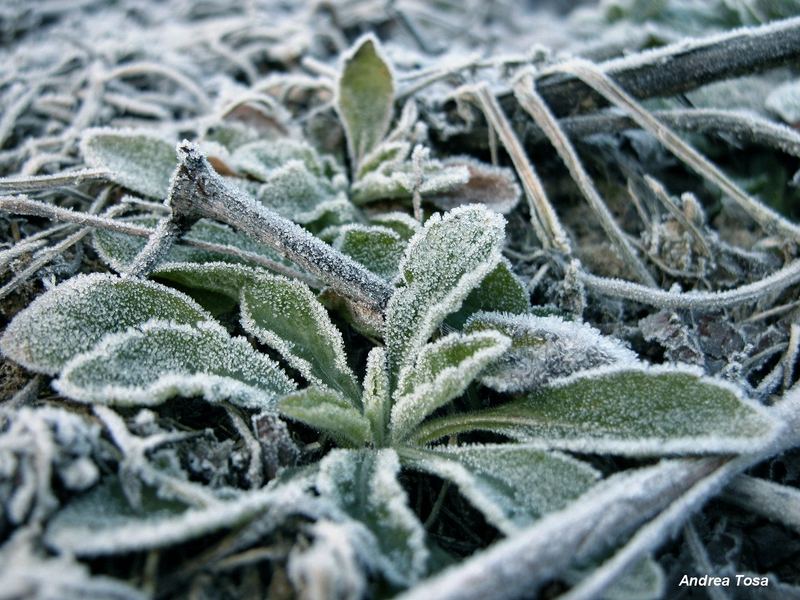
[(501, 291), (379, 249), (364, 485), (117, 250), (397, 181), (642, 581), (365, 97), (327, 411), (511, 484), (260, 159), (141, 161), (404, 225), (630, 411), (376, 398), (441, 373), (295, 193), (101, 522), (282, 313), (159, 360), (72, 317), (382, 155), (545, 348), (442, 264)]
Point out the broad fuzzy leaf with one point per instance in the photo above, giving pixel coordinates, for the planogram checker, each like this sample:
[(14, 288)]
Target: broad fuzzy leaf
[(365, 97), (364, 484), (544, 349), (401, 223), (630, 411), (158, 360), (397, 181), (441, 373), (642, 581), (500, 291), (493, 186), (295, 193), (260, 159), (379, 249), (511, 484), (101, 522), (327, 411), (281, 313), (141, 161), (376, 399), (117, 250), (382, 155), (72, 317), (442, 264)]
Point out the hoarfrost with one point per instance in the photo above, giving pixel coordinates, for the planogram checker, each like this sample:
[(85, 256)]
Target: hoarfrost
[(442, 264), (364, 484), (378, 248), (511, 484), (158, 360), (139, 160), (327, 411), (544, 349), (642, 411), (72, 317), (442, 372)]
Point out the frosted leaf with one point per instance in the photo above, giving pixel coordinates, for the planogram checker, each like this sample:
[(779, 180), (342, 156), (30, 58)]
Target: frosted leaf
[(442, 372), (376, 399), (72, 317), (158, 360), (117, 250), (260, 159), (625, 410), (365, 96), (379, 249), (443, 263), (385, 153), (327, 411), (141, 161), (364, 484), (492, 186), (398, 181), (545, 348), (784, 101), (401, 223), (295, 193), (282, 313), (500, 291), (511, 484), (26, 573), (329, 567), (101, 522), (642, 581)]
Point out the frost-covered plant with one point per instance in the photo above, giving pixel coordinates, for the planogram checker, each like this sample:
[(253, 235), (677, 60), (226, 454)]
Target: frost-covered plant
[(299, 379)]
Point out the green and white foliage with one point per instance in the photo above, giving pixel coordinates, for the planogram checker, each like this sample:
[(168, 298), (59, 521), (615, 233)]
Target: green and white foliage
[(365, 97), (442, 264), (293, 180), (376, 247), (329, 412), (159, 359), (501, 291), (442, 371), (636, 411), (544, 349), (511, 484), (74, 316), (141, 161), (364, 485), (279, 312), (102, 521), (117, 250)]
